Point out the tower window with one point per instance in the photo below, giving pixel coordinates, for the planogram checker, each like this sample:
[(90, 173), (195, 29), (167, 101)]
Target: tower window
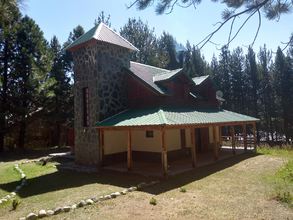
[(85, 97)]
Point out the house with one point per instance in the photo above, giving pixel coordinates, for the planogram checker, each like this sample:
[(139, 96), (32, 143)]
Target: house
[(128, 111)]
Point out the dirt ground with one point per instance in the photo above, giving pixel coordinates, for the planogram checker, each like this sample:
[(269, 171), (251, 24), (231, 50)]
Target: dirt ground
[(228, 190)]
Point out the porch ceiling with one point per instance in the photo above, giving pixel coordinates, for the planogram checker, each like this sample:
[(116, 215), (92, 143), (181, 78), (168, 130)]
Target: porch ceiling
[(174, 116)]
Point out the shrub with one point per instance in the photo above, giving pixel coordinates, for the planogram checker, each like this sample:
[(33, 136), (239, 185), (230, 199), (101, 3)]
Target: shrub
[(285, 197), (182, 189), (153, 201), (15, 203)]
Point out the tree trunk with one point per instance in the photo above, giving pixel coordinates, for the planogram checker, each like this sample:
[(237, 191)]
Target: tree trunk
[(22, 131), (58, 134), (3, 108), (1, 142)]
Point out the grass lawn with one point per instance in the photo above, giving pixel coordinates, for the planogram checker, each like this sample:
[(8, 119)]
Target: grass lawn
[(249, 186)]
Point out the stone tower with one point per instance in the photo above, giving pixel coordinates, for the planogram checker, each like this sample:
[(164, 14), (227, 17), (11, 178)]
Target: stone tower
[(99, 58)]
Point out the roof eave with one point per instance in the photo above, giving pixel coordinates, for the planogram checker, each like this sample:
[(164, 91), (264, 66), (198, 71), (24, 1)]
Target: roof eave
[(144, 83), (168, 79)]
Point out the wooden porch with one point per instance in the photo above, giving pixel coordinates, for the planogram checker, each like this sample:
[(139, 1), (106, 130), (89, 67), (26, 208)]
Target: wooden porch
[(154, 169), (239, 144)]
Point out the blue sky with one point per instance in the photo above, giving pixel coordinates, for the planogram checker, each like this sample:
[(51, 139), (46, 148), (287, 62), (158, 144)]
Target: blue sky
[(59, 17)]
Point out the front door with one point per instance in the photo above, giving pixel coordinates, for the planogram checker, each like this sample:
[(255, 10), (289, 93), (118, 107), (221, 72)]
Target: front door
[(201, 139), (198, 140)]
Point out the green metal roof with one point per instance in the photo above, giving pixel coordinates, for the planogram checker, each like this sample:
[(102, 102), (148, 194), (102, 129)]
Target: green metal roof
[(173, 116)]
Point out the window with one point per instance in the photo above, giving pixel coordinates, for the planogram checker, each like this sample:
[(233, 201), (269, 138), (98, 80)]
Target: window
[(149, 134), (183, 138), (85, 107)]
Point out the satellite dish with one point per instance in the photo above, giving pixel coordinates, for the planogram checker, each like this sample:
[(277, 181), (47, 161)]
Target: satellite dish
[(219, 93)]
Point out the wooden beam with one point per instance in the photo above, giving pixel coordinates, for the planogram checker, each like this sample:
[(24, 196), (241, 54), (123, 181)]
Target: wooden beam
[(164, 153), (254, 135), (244, 132), (232, 132), (193, 147), (216, 143), (220, 137), (129, 150), (101, 146)]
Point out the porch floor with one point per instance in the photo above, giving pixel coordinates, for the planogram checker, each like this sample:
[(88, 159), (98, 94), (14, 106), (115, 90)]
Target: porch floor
[(175, 167)]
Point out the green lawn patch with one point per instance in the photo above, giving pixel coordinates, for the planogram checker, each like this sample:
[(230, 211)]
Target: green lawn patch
[(283, 178), (283, 181)]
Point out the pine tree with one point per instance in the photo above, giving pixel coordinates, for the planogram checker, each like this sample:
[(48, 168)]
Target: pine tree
[(290, 98), (266, 93), (60, 104), (253, 80), (237, 81), (215, 71), (167, 48), (252, 86), (102, 18), (224, 77), (198, 64), (67, 57), (142, 37), (283, 86), (31, 67), (9, 21)]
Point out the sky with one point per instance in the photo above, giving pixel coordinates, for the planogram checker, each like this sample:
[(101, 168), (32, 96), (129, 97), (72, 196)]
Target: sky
[(59, 17)]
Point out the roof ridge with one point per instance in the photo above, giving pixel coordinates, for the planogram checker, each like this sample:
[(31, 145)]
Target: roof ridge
[(158, 77), (116, 33), (205, 76), (162, 116), (98, 30), (108, 118), (154, 67)]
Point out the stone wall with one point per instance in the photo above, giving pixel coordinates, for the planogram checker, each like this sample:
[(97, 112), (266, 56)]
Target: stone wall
[(100, 68)]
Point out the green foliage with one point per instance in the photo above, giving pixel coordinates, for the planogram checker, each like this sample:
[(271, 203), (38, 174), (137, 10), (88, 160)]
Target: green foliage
[(272, 9), (67, 57), (283, 178), (285, 197), (283, 80), (153, 201), (182, 189), (284, 184), (194, 62), (15, 203), (143, 37), (32, 64), (9, 22), (166, 44), (160, 52), (286, 173), (103, 18)]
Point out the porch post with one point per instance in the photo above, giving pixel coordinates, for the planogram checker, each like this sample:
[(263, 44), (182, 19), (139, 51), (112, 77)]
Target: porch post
[(101, 146), (164, 153), (215, 145), (193, 146), (254, 135), (244, 136), (232, 131), (220, 136), (129, 151)]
